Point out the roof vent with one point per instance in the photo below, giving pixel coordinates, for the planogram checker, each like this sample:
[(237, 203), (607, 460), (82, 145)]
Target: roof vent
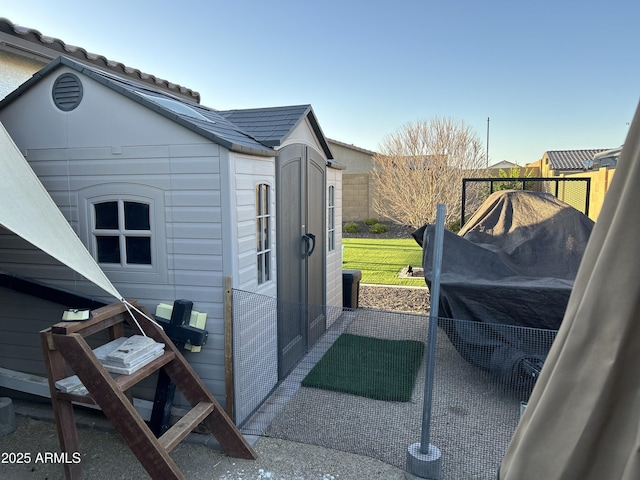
[(67, 92)]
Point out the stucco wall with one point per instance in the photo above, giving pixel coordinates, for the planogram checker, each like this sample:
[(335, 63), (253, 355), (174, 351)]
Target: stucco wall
[(15, 71), (356, 197), (356, 182), (600, 181)]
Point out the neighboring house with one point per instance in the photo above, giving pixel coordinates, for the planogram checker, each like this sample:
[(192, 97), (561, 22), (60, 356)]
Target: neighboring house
[(510, 169), (172, 198), (357, 187), (24, 51), (503, 165), (596, 164), (563, 162), (608, 159)]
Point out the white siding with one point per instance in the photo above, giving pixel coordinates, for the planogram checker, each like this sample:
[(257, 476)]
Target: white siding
[(23, 317), (245, 173), (204, 202), (255, 331), (334, 257), (303, 134), (110, 144)]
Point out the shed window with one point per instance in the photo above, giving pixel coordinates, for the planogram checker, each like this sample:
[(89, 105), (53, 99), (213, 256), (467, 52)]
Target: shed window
[(122, 232), (263, 240), (331, 237)]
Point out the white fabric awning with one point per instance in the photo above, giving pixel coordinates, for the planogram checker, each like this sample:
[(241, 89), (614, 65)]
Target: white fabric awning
[(27, 209)]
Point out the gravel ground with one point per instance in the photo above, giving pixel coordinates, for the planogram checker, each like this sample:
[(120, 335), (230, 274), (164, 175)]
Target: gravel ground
[(278, 458), (105, 457), (324, 435), (398, 299), (473, 417)]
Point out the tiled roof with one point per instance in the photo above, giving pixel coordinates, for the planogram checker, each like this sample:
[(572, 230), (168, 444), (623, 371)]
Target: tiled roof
[(202, 120), (41, 41), (571, 159), (252, 130)]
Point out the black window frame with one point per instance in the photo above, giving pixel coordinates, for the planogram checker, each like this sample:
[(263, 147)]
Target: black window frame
[(133, 248)]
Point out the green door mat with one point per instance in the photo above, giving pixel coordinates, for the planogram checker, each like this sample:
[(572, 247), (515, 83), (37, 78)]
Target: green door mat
[(370, 367)]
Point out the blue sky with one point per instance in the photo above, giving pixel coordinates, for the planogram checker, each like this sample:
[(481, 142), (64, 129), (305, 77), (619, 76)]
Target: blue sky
[(550, 75)]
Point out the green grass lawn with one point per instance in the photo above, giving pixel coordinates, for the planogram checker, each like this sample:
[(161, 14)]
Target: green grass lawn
[(380, 260)]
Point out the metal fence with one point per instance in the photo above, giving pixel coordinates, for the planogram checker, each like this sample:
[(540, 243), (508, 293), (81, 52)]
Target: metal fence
[(360, 388), (574, 191)]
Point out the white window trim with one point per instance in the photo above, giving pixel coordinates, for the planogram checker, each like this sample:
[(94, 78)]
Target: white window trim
[(264, 275), (331, 218), (157, 272)]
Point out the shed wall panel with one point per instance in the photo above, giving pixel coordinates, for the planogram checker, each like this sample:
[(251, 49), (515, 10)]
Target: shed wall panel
[(181, 165), (334, 257), (255, 338)]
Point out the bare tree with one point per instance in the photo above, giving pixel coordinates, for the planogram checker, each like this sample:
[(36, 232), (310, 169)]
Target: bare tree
[(423, 164)]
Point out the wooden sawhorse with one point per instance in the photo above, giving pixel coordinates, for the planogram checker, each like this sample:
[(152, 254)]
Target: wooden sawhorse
[(64, 344)]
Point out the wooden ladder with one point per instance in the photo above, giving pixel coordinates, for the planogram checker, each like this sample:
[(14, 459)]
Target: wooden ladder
[(64, 345)]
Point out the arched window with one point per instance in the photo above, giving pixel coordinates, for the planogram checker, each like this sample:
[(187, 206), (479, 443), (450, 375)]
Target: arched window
[(123, 226)]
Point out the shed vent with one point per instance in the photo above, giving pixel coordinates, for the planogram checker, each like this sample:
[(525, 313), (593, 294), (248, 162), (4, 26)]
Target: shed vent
[(67, 92)]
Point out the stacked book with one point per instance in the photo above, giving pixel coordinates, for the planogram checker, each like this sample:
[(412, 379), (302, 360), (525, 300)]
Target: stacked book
[(124, 355)]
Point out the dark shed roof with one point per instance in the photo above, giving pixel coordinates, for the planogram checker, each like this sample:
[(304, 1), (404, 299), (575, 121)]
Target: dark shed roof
[(204, 121), (255, 131), (271, 125)]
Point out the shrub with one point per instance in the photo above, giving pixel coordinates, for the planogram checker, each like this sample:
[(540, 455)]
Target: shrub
[(378, 228), (351, 227), (371, 221), (454, 227)]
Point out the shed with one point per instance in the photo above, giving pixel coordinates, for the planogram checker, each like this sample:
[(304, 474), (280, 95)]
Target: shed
[(171, 198)]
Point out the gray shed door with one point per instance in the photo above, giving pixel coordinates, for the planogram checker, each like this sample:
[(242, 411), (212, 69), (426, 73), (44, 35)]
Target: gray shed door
[(301, 256)]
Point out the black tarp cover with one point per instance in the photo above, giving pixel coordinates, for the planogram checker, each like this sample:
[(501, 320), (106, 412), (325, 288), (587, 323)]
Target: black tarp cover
[(513, 263)]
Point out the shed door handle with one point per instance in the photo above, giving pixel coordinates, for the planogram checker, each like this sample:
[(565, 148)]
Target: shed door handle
[(309, 240)]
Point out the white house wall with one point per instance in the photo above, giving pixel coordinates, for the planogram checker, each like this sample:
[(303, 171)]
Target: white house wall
[(109, 145)]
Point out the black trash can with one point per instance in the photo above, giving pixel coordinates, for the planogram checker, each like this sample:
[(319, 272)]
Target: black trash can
[(350, 288)]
